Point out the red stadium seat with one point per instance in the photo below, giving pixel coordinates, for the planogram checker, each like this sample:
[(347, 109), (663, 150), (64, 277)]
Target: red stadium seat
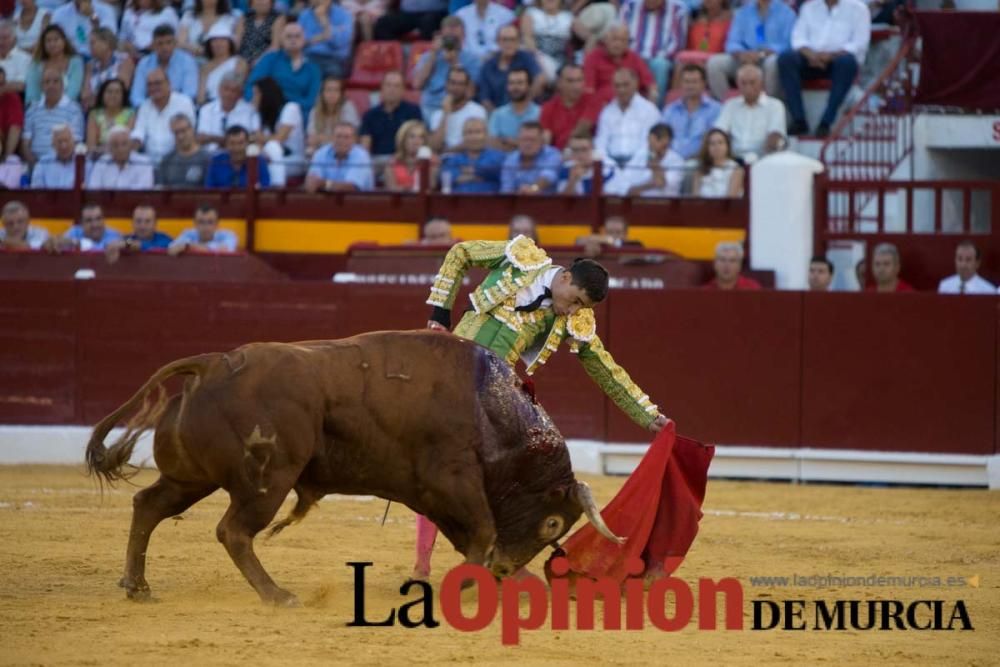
[(416, 50), (371, 62), (362, 99)]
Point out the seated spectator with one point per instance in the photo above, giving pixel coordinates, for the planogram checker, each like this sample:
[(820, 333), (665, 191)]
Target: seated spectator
[(403, 173), (522, 225), (332, 107), (430, 74), (342, 166), (613, 54), (885, 269), (482, 20), (187, 164), (570, 110), (228, 110), (728, 266), (624, 123), (708, 29), (614, 234), (436, 231), (29, 21), (718, 174), (476, 168), (546, 30), (205, 236), (298, 79), (365, 13), (329, 33), (209, 15), (421, 15), (282, 133), (754, 121), (262, 30), (144, 236), (139, 20), (829, 41), (42, 116), (54, 52), (861, 274), (120, 168), (152, 121), (229, 168), (505, 122), (110, 111), (577, 174), (106, 64), (57, 170), (760, 30), (222, 61), (11, 118), (534, 167), (693, 114), (966, 279), (18, 233), (820, 274), (656, 171), (89, 236), (381, 122), (14, 62), (447, 122), (593, 19), (658, 30), (81, 17), (179, 66), (492, 82)]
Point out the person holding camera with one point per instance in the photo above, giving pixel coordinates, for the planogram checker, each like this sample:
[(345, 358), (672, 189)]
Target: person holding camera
[(430, 75)]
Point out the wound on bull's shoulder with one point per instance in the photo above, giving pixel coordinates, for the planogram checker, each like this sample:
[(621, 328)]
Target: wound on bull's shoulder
[(259, 450)]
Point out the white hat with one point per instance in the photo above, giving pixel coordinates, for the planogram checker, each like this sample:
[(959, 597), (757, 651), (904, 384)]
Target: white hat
[(218, 30)]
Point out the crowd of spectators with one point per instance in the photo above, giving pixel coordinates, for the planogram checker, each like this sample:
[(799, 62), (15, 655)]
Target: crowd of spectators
[(502, 95)]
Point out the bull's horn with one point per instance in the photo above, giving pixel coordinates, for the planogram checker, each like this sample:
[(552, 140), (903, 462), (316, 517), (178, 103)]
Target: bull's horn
[(585, 500)]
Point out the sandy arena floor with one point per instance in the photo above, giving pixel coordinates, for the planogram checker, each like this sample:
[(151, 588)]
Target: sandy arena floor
[(62, 550)]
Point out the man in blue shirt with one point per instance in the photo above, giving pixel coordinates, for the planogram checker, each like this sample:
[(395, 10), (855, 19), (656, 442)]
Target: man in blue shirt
[(693, 114), (477, 168), (205, 236), (329, 33), (88, 236), (430, 74), (144, 236), (228, 169), (380, 123), (576, 176), (534, 167), (342, 166), (759, 32), (493, 74), (505, 122), (180, 66), (299, 79)]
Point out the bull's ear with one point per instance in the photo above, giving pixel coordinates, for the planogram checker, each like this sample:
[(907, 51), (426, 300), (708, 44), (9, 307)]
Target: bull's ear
[(558, 494)]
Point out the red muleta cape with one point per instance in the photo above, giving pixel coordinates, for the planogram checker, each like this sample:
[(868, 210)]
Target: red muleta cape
[(657, 509)]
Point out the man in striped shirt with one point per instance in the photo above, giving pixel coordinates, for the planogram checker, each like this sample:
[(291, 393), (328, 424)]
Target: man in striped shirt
[(659, 30), (53, 109)]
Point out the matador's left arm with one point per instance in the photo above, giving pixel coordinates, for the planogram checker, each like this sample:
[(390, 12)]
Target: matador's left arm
[(616, 383)]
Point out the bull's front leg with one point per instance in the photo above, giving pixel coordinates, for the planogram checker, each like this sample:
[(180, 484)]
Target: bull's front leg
[(468, 510)]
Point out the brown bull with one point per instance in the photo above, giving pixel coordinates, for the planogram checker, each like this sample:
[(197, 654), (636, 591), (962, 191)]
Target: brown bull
[(428, 420)]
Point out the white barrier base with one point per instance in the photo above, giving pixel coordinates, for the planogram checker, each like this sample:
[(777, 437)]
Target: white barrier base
[(66, 445)]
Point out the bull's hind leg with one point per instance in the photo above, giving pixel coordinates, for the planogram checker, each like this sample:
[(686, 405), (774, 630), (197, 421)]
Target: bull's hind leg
[(165, 498), (247, 515)]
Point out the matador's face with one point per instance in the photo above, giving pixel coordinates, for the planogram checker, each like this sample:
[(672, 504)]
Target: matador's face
[(568, 298)]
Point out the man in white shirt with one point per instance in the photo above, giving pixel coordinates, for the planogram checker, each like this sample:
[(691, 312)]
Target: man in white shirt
[(456, 108), (966, 279), (483, 20), (14, 61), (226, 111), (754, 121), (17, 231), (121, 168), (57, 170), (655, 171), (829, 41), (152, 122), (624, 123), (78, 18)]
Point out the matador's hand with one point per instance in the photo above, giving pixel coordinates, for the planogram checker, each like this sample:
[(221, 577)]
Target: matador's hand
[(657, 424)]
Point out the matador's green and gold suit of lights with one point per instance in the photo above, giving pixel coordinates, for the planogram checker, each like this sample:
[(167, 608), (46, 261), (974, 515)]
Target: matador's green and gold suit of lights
[(496, 324)]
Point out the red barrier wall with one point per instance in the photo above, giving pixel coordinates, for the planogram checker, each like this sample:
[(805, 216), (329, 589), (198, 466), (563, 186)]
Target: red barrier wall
[(863, 371)]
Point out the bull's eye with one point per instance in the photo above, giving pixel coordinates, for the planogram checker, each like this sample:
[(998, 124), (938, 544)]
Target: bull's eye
[(552, 527)]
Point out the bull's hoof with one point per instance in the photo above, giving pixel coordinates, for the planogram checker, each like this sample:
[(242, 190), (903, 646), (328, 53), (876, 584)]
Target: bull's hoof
[(285, 599), (138, 594)]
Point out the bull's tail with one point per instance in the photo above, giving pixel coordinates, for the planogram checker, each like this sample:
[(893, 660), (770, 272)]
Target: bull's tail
[(111, 463)]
